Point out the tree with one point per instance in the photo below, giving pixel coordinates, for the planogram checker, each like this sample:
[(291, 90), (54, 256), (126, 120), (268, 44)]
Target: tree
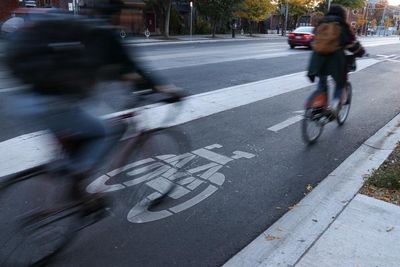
[(361, 21), (297, 8), (374, 24), (255, 10), (163, 8), (316, 17), (353, 4), (217, 11), (388, 22)]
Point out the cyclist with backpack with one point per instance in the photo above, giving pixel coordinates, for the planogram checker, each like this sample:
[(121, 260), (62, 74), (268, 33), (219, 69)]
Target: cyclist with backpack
[(63, 58), (333, 36)]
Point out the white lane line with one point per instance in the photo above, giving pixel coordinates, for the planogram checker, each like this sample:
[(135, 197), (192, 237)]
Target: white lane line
[(276, 128), (387, 56), (36, 148), (381, 43), (205, 61), (392, 60), (211, 53), (150, 43)]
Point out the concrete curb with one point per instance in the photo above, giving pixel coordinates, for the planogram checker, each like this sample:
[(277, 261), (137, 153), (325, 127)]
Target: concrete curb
[(198, 41), (293, 234)]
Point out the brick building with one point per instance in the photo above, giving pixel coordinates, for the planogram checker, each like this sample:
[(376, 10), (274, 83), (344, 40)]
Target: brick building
[(6, 8)]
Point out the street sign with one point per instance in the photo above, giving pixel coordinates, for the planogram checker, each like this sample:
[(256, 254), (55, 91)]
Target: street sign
[(147, 33)]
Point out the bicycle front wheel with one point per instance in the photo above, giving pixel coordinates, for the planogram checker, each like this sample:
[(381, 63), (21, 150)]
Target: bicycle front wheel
[(30, 235), (346, 103), (312, 126)]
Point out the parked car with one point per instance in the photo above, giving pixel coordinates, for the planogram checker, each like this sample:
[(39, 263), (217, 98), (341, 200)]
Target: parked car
[(302, 36)]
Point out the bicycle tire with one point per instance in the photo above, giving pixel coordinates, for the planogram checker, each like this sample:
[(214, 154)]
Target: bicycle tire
[(150, 145), (28, 238), (345, 108), (311, 118)]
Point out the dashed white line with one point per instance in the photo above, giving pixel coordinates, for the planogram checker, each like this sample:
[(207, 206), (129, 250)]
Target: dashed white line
[(276, 128)]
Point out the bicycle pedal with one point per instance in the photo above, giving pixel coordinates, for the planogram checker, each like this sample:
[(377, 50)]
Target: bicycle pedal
[(325, 120)]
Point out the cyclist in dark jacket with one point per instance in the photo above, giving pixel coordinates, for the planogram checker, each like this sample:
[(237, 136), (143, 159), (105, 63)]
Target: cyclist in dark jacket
[(334, 64), (63, 59)]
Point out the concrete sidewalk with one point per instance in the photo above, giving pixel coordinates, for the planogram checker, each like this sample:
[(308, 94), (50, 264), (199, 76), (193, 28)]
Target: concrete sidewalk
[(365, 234), (334, 225)]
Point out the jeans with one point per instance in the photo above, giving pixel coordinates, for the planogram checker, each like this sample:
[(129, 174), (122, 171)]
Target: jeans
[(323, 86)]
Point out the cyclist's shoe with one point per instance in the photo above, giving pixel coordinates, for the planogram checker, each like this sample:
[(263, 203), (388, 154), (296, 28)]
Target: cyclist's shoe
[(334, 108)]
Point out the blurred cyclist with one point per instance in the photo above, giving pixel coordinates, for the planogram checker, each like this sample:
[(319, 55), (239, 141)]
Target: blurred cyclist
[(63, 59), (332, 37)]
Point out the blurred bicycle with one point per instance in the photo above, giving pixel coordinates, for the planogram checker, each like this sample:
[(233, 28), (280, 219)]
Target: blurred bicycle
[(36, 230)]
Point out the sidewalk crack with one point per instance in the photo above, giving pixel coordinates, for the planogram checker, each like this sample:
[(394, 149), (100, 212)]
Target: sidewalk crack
[(377, 148)]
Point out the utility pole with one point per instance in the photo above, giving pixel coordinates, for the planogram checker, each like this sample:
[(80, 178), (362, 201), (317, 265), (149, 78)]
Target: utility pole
[(191, 19), (286, 16), (382, 22)]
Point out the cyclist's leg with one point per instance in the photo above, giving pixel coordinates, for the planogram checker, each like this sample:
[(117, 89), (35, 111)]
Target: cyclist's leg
[(322, 87), (340, 84), (95, 139)]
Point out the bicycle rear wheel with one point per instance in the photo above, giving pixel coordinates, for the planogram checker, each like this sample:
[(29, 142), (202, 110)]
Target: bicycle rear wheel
[(346, 103), (312, 125), (30, 237)]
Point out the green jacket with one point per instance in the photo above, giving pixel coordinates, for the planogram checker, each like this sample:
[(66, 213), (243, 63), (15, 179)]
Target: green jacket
[(333, 64)]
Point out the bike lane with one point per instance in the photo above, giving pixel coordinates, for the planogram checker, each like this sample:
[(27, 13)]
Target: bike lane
[(272, 171)]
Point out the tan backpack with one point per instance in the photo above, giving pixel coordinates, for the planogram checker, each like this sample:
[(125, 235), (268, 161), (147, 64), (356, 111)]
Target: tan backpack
[(326, 39)]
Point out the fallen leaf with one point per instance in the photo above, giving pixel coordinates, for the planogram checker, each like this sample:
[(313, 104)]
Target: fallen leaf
[(309, 188), (271, 237), (278, 208), (314, 220), (294, 206), (280, 229), (390, 229)]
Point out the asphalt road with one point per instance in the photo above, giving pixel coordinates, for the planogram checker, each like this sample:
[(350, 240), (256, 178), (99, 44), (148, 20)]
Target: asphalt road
[(256, 189)]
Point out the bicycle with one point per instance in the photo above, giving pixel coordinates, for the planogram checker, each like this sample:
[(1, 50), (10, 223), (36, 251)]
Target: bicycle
[(35, 237), (317, 112)]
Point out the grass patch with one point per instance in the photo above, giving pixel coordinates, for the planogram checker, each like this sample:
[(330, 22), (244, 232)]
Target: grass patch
[(384, 183)]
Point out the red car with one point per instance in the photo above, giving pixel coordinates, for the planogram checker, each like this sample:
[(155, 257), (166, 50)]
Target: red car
[(302, 36)]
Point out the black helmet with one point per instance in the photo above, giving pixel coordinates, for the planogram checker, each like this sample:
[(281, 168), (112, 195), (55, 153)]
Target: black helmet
[(338, 11)]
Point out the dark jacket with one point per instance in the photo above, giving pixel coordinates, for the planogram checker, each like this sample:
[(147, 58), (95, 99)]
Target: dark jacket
[(333, 64)]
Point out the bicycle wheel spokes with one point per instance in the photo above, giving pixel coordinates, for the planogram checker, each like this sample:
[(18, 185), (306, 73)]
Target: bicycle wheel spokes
[(312, 126)]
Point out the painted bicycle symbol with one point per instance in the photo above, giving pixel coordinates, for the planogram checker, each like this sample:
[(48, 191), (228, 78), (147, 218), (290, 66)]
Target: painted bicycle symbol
[(193, 185)]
